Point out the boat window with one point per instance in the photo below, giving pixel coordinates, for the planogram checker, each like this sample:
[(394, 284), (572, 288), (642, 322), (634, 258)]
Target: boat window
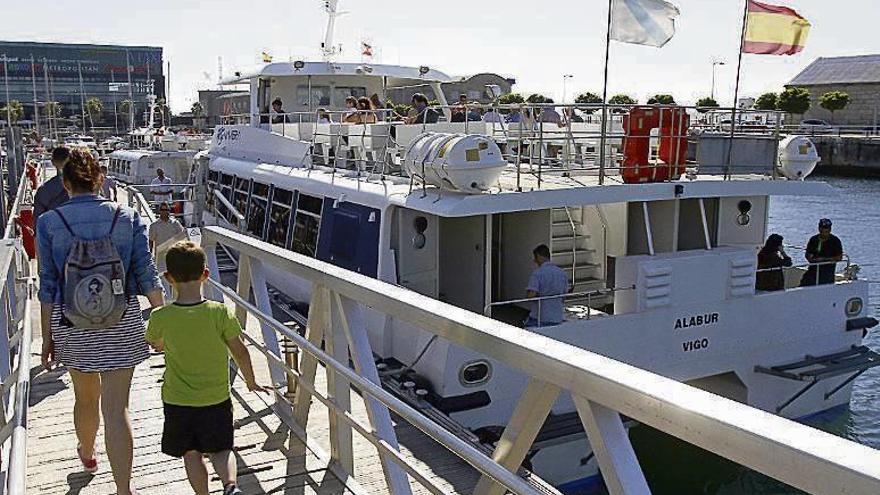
[(307, 224), (279, 217), (340, 93), (242, 189), (257, 210), (320, 95)]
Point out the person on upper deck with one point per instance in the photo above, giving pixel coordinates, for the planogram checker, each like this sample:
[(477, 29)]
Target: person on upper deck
[(350, 114), (492, 116), (459, 112), (378, 107), (324, 116), (161, 187), (475, 112), (824, 250), (279, 115), (421, 113), (365, 114), (547, 280), (549, 114), (771, 260)]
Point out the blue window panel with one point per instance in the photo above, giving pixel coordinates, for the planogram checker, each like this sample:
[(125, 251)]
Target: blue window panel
[(349, 237)]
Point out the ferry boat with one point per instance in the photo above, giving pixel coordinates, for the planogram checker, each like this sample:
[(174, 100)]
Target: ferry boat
[(658, 235)]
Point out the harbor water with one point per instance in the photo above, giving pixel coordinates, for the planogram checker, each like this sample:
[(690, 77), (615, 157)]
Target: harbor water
[(855, 211)]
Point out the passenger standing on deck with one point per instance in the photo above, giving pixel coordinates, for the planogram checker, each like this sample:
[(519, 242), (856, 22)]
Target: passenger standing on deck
[(547, 280), (162, 234), (108, 185), (161, 187), (100, 362), (824, 250), (421, 114), (198, 336), (279, 115), (52, 192), (771, 260)]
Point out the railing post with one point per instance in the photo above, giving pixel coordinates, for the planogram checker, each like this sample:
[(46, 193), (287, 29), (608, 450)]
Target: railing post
[(243, 286), (520, 432), (352, 322), (209, 244), (261, 297), (339, 391), (610, 443), (319, 319)]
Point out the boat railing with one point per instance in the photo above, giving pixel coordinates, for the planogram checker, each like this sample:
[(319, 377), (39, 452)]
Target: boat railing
[(541, 140), (848, 273), (603, 390), (587, 297)]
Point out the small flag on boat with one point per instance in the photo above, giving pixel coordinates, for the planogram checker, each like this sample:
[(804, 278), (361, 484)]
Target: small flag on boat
[(774, 30), (643, 22), (366, 49), (267, 57)]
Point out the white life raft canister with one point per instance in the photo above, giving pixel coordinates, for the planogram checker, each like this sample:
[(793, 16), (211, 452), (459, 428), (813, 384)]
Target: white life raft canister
[(469, 163)]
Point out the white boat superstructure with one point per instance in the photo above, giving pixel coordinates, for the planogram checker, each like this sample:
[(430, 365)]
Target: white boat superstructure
[(657, 227)]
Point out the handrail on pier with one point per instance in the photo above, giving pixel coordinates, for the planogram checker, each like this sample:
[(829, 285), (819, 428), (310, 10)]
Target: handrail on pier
[(602, 389)]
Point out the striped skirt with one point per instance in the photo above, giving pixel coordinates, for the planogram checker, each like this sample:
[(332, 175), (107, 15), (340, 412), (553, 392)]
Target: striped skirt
[(94, 351)]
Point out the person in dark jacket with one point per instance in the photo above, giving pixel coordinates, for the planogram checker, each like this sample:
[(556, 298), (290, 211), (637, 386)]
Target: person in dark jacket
[(771, 260), (52, 193), (824, 250)]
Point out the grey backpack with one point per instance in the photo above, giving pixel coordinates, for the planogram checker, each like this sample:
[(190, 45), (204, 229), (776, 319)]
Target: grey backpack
[(94, 281)]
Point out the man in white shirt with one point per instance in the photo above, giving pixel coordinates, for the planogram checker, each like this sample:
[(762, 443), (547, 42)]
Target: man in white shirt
[(163, 233), (161, 187), (108, 185)]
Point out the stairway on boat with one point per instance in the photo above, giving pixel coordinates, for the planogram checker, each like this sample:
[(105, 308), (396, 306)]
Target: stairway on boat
[(572, 249)]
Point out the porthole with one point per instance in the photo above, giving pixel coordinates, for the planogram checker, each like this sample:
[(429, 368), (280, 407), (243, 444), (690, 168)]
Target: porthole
[(475, 373), (854, 306)]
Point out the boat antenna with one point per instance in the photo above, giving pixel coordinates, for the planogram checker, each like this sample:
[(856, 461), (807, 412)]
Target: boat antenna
[(328, 49)]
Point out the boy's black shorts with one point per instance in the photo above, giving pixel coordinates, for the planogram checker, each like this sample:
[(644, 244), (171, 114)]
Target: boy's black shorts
[(204, 429)]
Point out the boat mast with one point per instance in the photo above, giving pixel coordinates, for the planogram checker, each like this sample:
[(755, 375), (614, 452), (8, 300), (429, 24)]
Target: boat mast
[(327, 47)]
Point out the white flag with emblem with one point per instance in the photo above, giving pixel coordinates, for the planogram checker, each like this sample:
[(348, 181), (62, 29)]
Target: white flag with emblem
[(643, 22)]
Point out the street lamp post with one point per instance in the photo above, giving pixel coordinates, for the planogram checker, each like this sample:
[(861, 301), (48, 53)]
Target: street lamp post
[(565, 78), (714, 64)]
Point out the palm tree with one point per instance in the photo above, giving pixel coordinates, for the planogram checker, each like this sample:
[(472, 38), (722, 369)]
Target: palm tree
[(94, 108), (127, 107), (14, 110)]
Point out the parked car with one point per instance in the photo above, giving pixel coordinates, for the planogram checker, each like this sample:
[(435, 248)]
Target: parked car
[(815, 126)]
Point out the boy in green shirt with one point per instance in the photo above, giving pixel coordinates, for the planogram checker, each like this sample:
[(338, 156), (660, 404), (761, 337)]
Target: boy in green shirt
[(198, 336)]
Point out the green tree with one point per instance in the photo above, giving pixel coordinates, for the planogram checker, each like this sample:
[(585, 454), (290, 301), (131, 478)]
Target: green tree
[(621, 99), (53, 109), (127, 107), (14, 110), (511, 99), (834, 101), (94, 108), (402, 109), (661, 99), (706, 104), (197, 110), (588, 98), (536, 98), (794, 100), (767, 101)]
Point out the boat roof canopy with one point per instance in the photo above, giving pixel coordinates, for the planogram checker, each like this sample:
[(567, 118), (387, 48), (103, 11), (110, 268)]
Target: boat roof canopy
[(397, 75)]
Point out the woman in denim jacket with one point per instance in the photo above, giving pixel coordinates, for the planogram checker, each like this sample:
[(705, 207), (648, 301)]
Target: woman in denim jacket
[(100, 362)]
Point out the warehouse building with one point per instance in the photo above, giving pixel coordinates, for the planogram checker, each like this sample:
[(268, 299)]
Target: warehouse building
[(859, 76), (72, 73)]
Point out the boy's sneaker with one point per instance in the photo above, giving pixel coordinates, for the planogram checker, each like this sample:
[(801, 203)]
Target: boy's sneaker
[(232, 490), (89, 465)]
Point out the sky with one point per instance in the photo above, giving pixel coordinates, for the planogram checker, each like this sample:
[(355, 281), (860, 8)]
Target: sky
[(535, 42)]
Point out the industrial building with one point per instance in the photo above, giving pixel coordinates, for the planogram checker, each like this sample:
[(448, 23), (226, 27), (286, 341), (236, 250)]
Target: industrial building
[(859, 76), (70, 74)]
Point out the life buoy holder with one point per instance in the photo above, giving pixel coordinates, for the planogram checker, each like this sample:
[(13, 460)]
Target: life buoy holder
[(673, 123)]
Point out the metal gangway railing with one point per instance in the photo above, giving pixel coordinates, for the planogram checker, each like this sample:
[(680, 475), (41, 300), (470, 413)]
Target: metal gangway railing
[(603, 390), (17, 296)]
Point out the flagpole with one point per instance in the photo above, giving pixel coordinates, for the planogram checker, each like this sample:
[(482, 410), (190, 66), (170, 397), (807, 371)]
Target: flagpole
[(605, 98), (742, 44)]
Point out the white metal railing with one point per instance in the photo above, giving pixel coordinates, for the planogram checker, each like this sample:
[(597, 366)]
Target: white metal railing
[(602, 389), (537, 300), (16, 328)]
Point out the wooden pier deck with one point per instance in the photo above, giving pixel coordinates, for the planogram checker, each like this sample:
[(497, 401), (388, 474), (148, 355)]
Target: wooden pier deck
[(271, 460)]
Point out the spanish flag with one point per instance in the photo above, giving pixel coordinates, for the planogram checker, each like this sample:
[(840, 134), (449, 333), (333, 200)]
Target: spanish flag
[(774, 30)]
